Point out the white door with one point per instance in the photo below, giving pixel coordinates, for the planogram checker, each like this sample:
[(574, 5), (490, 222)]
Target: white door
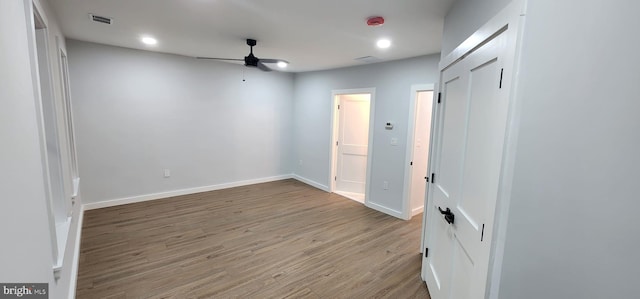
[(352, 144), (467, 163), (419, 160)]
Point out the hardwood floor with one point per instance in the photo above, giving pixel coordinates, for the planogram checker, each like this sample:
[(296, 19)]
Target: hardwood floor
[(275, 240)]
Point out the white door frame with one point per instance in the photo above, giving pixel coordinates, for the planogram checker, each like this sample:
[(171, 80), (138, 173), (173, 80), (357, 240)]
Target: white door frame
[(35, 16), (434, 131), (413, 103), (334, 135), (512, 16)]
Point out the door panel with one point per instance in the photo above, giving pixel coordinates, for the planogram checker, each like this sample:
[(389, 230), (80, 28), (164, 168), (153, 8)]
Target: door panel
[(439, 281), (467, 162), (353, 139), (449, 169), (351, 170), (487, 119), (462, 271)]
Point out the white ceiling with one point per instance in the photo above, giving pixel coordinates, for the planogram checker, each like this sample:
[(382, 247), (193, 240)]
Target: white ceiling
[(310, 34)]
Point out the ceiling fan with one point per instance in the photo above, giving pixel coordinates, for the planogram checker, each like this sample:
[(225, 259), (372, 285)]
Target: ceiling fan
[(251, 60)]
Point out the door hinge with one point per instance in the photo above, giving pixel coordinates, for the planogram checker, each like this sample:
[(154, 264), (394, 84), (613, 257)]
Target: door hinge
[(411, 163), (335, 178), (336, 143), (482, 234), (439, 97), (338, 107), (426, 252), (433, 178), (501, 73)]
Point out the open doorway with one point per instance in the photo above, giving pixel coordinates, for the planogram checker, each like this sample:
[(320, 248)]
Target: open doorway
[(351, 142), (418, 142)]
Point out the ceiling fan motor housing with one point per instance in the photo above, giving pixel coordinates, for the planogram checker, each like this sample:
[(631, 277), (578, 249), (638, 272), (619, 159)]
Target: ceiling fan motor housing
[(251, 60)]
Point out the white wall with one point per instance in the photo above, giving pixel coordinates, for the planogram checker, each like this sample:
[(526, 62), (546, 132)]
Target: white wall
[(312, 121), (26, 251), (139, 112), (573, 230)]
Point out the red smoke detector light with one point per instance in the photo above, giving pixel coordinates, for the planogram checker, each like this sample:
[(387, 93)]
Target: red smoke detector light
[(375, 21)]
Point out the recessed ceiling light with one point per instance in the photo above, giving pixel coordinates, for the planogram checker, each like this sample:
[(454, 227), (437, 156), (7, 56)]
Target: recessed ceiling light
[(383, 43), (282, 64), (147, 40)]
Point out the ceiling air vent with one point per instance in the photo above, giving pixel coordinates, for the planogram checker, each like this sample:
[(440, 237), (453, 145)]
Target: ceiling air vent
[(100, 19), (368, 59)]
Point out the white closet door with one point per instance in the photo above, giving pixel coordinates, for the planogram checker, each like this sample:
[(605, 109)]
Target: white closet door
[(467, 165)]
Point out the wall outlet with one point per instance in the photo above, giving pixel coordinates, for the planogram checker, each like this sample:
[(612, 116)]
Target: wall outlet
[(385, 185), (167, 173)]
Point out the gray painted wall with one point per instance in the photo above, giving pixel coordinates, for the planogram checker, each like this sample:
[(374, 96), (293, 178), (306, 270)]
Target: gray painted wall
[(139, 112), (26, 250), (573, 229), (464, 18), (312, 120)]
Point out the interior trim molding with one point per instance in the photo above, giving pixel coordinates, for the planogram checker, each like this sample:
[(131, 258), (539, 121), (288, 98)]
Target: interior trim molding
[(417, 211), (411, 140), (75, 262), (159, 195), (311, 182), (385, 210)]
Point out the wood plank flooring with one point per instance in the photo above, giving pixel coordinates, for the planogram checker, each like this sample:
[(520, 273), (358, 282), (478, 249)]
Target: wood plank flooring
[(282, 239)]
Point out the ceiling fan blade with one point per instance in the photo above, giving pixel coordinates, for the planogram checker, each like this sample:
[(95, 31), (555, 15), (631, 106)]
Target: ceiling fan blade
[(263, 67), (229, 59), (271, 60)]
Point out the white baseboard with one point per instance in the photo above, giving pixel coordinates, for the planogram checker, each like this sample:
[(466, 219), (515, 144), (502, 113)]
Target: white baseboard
[(385, 210), (153, 196), (76, 255), (311, 183), (417, 211)]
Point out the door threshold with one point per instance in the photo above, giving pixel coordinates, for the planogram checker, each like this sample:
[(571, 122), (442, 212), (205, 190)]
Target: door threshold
[(359, 197)]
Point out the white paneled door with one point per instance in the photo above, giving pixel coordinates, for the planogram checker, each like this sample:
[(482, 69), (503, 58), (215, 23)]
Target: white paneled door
[(467, 160), (352, 144)]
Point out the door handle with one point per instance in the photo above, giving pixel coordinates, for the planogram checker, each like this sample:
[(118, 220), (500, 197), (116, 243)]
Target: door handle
[(448, 215), (448, 211)]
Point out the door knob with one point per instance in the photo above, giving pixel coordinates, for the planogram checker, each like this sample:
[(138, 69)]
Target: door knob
[(448, 215)]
